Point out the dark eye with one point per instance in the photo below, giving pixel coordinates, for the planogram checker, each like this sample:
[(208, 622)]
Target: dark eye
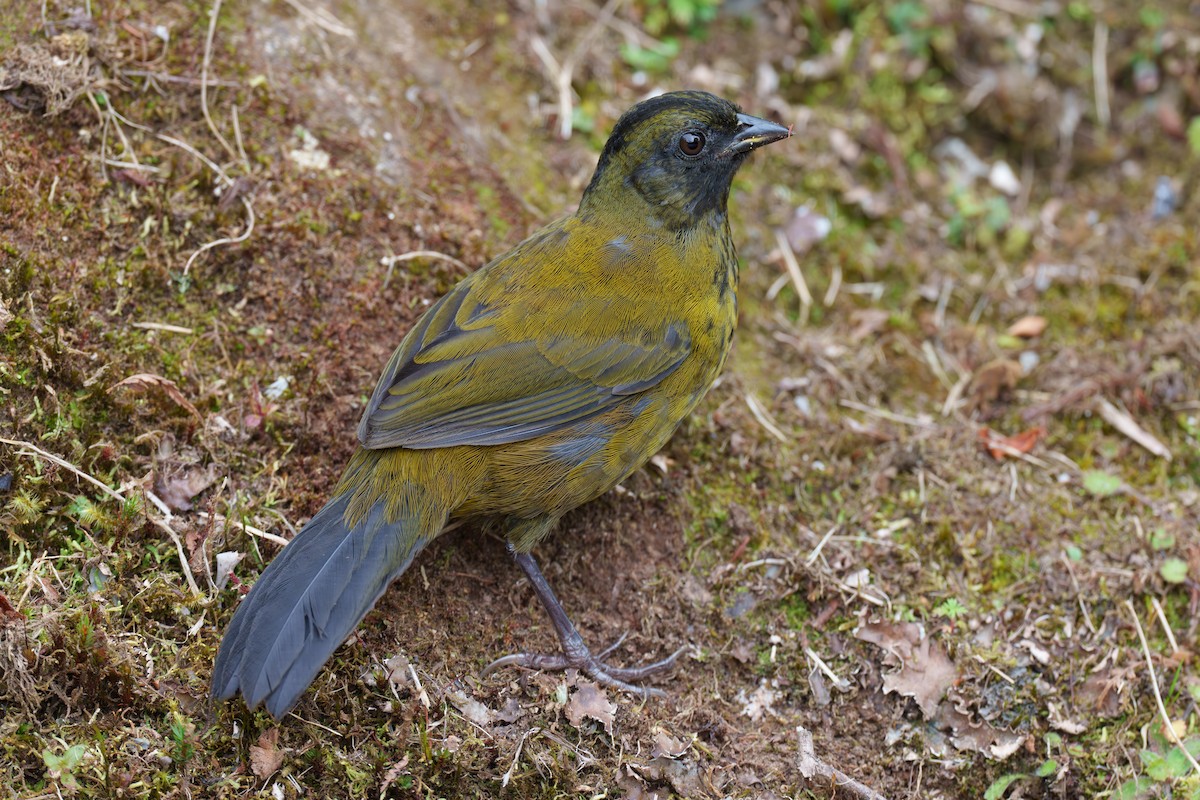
[(691, 143)]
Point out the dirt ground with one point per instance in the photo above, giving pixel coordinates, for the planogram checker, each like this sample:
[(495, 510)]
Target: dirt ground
[(935, 533)]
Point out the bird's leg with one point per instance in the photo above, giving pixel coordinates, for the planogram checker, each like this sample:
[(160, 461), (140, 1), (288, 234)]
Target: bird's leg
[(575, 654)]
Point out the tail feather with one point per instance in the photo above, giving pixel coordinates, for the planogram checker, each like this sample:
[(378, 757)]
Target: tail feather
[(309, 599)]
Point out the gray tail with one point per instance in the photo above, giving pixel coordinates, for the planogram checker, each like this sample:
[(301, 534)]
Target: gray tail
[(309, 599)]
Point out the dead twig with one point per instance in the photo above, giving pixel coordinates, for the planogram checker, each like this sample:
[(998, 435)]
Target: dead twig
[(1100, 75), (322, 18), (225, 240), (391, 261), (213, 14), (764, 418), (793, 269), (164, 524), (32, 449), (160, 326), (1166, 626), (504, 779), (250, 529), (882, 413), (1128, 426), (562, 74), (813, 767), (1168, 725)]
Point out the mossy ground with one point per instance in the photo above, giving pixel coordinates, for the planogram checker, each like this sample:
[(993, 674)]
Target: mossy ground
[(835, 477)]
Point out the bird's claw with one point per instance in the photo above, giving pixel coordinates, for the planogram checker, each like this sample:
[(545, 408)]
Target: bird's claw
[(582, 659)]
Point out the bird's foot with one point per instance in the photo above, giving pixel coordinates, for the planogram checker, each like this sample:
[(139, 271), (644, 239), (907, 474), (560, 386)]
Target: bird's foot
[(575, 654), (579, 657)]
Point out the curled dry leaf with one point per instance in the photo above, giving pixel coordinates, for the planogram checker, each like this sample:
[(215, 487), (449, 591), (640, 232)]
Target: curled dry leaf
[(511, 711), (805, 229), (760, 703), (1028, 327), (265, 756), (226, 561), (472, 709), (589, 700), (178, 489), (1000, 446), (667, 746), (978, 737), (1103, 691), (145, 381), (925, 672), (398, 672), (993, 380)]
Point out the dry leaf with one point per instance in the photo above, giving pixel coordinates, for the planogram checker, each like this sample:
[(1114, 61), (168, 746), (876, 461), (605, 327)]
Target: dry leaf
[(667, 746), (805, 229), (925, 673), (1060, 723), (683, 775), (1028, 327), (1000, 446), (511, 711), (742, 651), (226, 561), (993, 380), (760, 702), (393, 774), (144, 381), (7, 612), (1102, 691), (589, 700), (867, 321), (978, 737), (265, 757), (474, 710), (695, 592), (178, 490)]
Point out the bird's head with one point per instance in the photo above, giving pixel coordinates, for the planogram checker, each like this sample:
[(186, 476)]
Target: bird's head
[(676, 154)]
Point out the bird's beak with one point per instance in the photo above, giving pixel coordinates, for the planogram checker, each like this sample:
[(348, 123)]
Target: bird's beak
[(754, 132)]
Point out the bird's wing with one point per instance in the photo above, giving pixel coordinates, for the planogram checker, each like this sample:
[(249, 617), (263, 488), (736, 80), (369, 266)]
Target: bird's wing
[(464, 376)]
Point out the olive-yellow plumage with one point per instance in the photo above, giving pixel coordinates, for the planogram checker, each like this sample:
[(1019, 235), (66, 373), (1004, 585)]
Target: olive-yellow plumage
[(534, 386)]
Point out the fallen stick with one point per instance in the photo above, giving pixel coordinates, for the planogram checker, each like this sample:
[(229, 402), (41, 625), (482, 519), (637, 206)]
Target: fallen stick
[(811, 766)]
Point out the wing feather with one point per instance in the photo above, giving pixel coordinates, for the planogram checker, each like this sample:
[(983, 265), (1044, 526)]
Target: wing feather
[(470, 373)]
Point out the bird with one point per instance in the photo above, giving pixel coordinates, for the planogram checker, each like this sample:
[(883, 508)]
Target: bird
[(534, 386)]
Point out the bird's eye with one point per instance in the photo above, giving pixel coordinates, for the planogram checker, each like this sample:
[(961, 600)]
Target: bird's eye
[(691, 143)]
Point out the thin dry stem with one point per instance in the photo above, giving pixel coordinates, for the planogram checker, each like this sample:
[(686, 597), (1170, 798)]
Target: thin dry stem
[(32, 449), (793, 269), (1100, 74), (813, 767), (214, 13), (1162, 709)]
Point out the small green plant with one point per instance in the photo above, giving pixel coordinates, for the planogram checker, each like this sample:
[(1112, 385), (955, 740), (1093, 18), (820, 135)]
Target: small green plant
[(1163, 770), (688, 15), (183, 737), (975, 221), (909, 19), (1193, 135), (1047, 769), (60, 769), (950, 608), (1174, 570), (659, 17), (656, 57), (1100, 483)]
